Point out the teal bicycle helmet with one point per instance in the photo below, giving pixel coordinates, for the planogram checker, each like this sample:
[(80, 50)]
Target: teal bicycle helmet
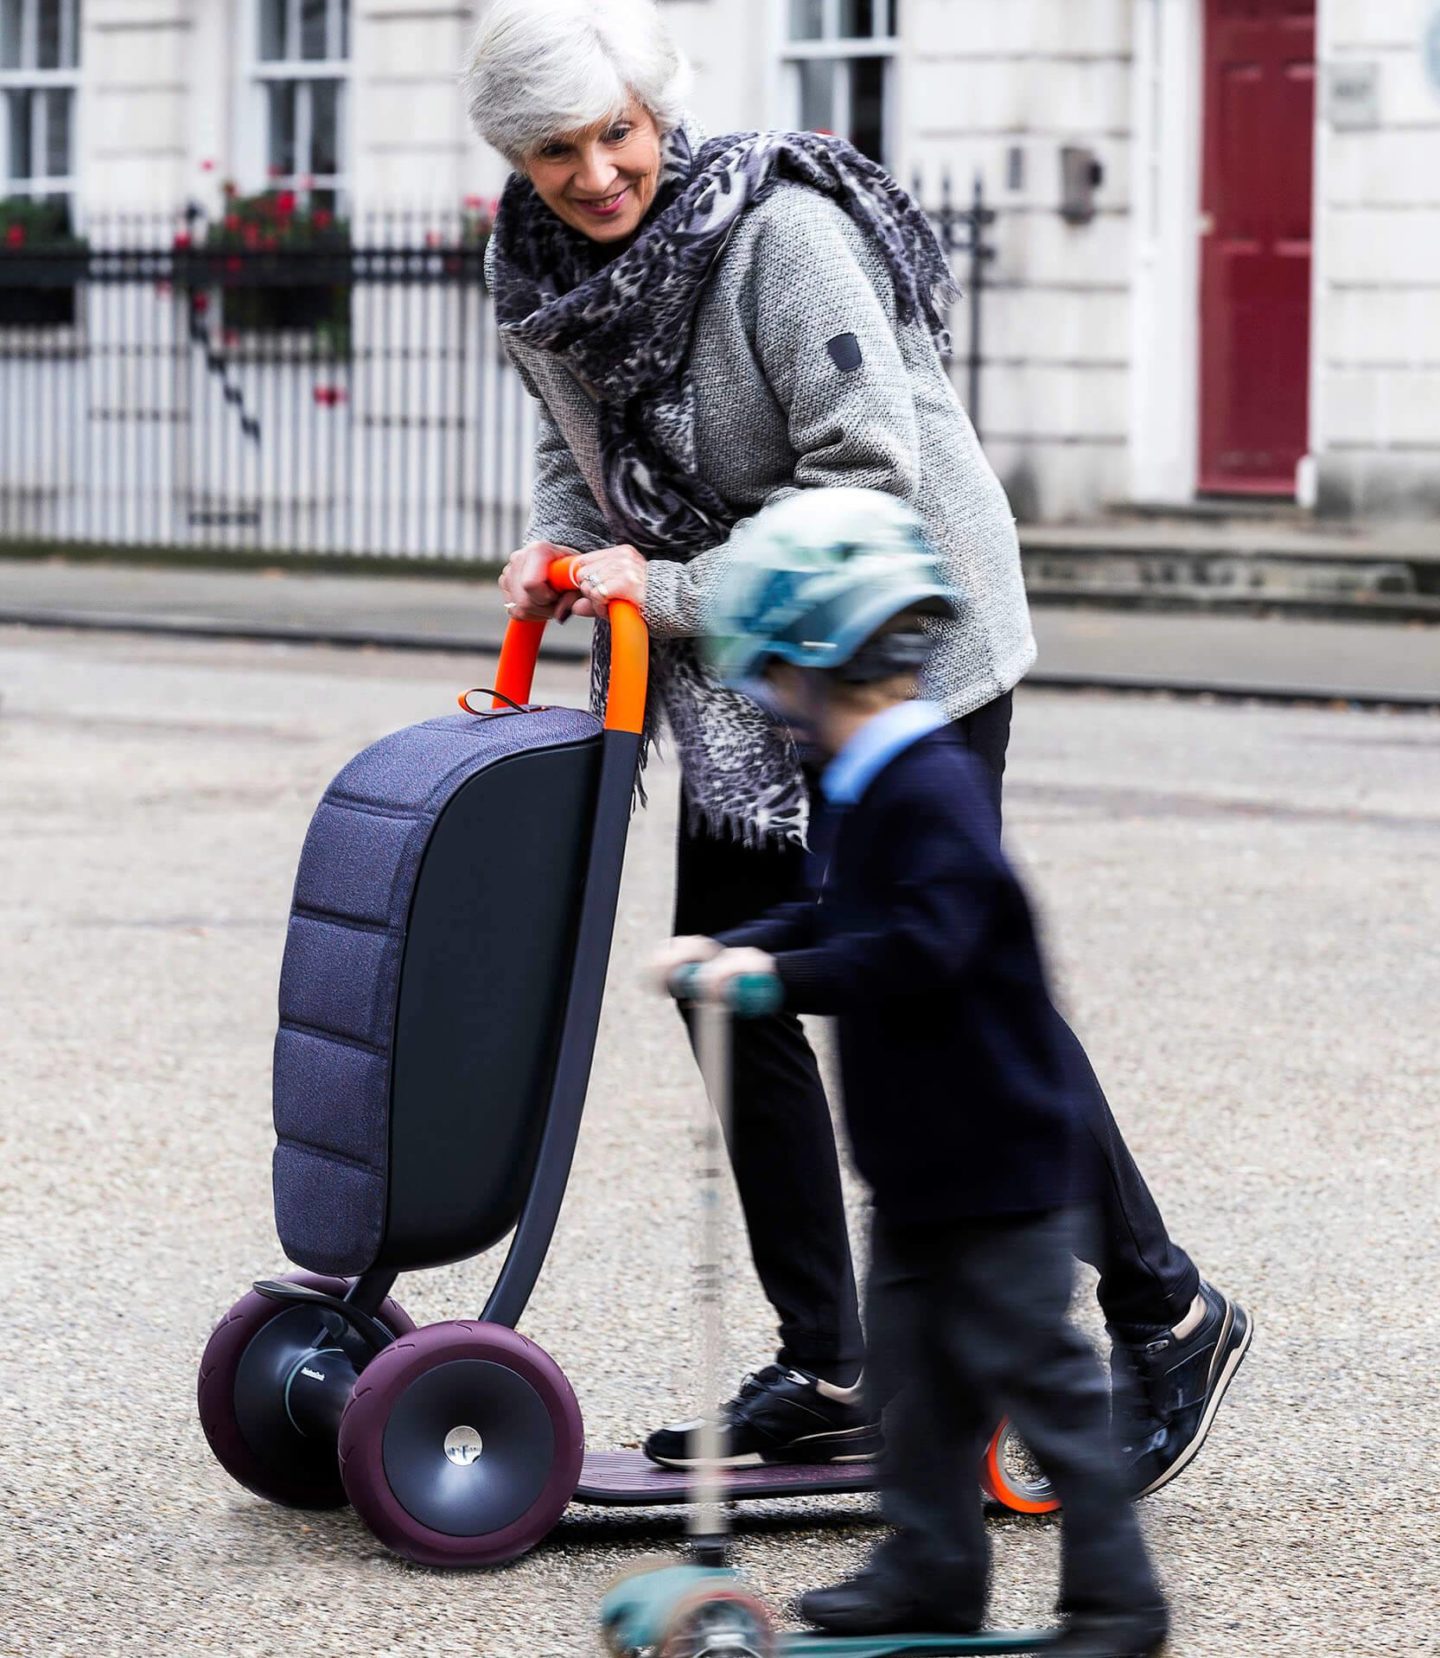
[(815, 578)]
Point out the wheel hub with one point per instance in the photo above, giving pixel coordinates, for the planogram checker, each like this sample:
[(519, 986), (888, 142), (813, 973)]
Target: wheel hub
[(468, 1447)]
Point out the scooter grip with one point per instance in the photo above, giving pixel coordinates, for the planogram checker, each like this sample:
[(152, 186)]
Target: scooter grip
[(750, 996), (564, 573)]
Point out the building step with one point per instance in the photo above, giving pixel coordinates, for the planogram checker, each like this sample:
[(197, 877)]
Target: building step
[(1229, 566)]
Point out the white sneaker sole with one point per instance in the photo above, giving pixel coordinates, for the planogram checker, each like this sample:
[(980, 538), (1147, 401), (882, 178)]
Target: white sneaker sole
[(754, 1460)]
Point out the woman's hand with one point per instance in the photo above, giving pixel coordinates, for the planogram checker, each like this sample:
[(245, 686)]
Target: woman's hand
[(607, 575), (678, 953), (528, 593)]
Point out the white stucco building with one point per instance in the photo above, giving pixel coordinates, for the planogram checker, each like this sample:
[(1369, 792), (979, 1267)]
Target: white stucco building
[(1218, 239)]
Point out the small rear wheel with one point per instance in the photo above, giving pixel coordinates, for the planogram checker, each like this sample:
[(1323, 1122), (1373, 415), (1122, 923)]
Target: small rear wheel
[(241, 1392), (461, 1445), (726, 1622), (1011, 1475)]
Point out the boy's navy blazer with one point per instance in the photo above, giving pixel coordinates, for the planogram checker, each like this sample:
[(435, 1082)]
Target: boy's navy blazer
[(960, 1096)]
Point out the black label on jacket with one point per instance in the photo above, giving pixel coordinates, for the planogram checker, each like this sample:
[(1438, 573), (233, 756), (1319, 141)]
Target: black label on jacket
[(844, 352)]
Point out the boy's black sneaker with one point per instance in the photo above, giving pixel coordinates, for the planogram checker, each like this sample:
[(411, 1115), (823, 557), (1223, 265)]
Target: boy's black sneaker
[(779, 1415), (1168, 1389), (1116, 1635), (871, 1605)]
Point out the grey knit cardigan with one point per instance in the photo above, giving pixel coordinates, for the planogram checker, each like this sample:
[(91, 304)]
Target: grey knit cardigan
[(785, 401)]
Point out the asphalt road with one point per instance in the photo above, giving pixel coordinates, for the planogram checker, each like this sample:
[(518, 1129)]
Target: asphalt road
[(1242, 907)]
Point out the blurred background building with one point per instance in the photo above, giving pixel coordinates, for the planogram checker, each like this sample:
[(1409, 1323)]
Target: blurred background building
[(240, 243)]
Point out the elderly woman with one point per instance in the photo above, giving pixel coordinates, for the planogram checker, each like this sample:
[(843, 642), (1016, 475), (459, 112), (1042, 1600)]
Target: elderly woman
[(708, 327)]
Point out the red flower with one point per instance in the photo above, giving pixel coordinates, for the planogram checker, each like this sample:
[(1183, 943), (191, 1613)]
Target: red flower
[(182, 238), (207, 166), (432, 238), (321, 219), (200, 302), (285, 203), (250, 235), (474, 203), (15, 236), (232, 222), (330, 397)]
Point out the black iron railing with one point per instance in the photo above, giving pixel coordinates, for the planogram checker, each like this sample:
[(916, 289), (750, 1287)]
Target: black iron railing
[(267, 380)]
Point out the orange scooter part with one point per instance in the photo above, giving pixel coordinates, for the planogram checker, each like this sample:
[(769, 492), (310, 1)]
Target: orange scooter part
[(629, 656), (995, 1480)]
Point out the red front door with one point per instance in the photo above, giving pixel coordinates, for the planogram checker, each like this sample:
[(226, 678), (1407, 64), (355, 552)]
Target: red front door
[(1255, 259)]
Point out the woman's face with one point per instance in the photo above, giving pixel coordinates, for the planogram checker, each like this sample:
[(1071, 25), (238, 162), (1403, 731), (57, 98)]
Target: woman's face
[(601, 181)]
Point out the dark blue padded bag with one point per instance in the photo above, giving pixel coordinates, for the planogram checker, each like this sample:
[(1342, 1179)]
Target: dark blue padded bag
[(423, 987)]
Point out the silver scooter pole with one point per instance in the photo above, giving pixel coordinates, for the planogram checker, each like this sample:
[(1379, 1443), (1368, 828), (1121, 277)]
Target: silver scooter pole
[(751, 995)]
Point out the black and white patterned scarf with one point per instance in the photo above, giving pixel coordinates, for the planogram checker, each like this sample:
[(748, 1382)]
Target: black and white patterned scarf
[(623, 326)]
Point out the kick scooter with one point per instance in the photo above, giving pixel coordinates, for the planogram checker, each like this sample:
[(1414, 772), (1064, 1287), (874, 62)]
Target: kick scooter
[(702, 1608)]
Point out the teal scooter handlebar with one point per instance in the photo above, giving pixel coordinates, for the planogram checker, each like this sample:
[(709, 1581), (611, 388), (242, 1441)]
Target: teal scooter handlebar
[(750, 996)]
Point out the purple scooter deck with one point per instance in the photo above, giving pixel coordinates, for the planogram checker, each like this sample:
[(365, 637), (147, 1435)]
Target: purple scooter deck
[(628, 1479)]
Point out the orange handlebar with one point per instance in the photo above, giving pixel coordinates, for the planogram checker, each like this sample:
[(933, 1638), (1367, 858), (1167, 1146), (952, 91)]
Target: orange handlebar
[(629, 655)]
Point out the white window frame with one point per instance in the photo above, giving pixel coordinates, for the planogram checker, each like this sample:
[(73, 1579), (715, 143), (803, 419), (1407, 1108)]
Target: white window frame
[(832, 46), (259, 74), (26, 78)]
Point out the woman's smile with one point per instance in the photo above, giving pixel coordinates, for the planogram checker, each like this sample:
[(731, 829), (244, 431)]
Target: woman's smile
[(606, 206)]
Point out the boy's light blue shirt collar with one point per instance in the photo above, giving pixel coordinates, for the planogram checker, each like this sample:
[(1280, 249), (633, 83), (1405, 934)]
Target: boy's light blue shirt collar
[(874, 745)]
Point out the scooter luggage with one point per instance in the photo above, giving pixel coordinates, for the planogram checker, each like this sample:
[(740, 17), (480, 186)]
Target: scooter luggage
[(440, 993)]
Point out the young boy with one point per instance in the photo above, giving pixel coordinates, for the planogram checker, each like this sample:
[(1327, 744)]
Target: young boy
[(963, 1120)]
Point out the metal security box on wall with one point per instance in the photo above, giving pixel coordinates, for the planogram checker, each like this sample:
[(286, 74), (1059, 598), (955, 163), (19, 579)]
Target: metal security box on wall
[(1081, 175), (1352, 96)]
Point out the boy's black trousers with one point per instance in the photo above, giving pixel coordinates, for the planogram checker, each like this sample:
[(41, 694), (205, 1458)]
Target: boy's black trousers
[(969, 1322), (783, 1142)]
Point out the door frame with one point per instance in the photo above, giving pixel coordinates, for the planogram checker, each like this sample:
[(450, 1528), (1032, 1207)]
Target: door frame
[(1168, 121)]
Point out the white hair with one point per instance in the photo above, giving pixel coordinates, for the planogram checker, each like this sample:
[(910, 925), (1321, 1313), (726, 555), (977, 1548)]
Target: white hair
[(541, 68)]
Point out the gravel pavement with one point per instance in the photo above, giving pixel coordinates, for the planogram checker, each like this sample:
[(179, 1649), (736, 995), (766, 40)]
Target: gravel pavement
[(1243, 911)]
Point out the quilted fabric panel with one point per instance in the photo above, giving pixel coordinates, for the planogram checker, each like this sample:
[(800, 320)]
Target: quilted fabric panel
[(329, 1214), (335, 978), (353, 863), (340, 975), (330, 1096)]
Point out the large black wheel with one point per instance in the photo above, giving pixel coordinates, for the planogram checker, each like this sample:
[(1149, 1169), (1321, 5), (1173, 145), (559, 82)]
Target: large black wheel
[(461, 1445), (247, 1363)]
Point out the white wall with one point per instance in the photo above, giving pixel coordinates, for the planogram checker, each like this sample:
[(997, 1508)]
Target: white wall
[(137, 68), (412, 143), (1376, 392)]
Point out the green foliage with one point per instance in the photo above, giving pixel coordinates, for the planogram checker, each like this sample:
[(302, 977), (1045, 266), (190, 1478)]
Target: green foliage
[(27, 224), (267, 286)]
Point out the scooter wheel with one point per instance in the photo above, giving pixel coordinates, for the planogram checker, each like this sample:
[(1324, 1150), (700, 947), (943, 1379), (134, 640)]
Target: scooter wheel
[(461, 1445), (725, 1622), (1013, 1478), (241, 1393)]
